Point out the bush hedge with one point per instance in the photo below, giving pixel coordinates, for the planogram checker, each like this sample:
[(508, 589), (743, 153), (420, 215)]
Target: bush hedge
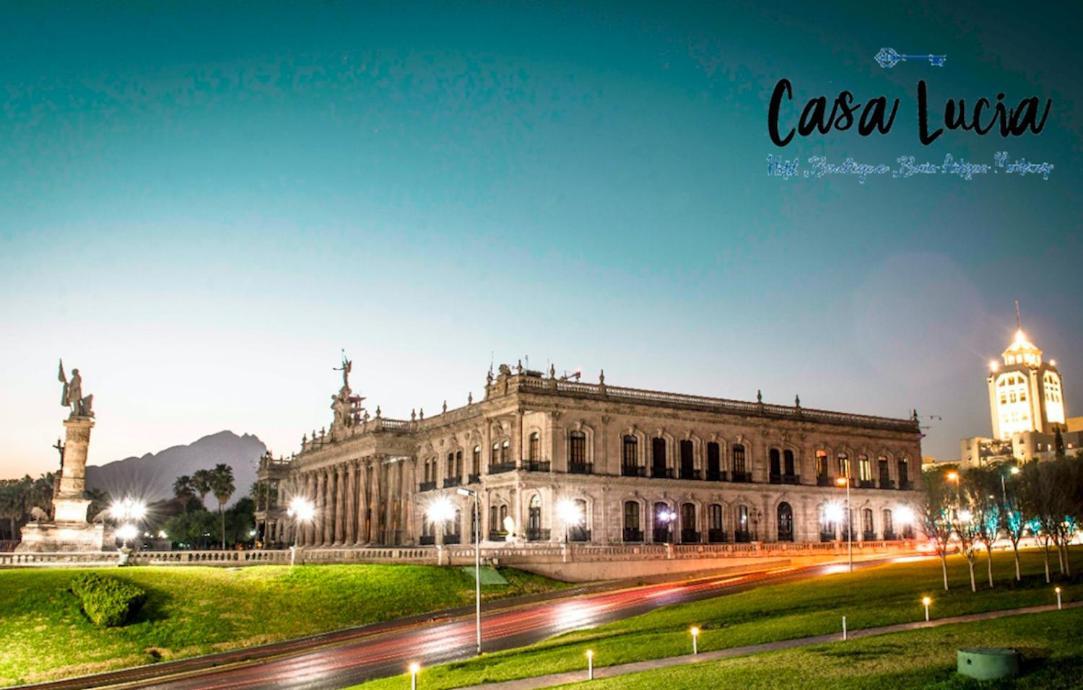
[(107, 601)]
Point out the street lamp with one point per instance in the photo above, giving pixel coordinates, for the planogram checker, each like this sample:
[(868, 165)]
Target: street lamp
[(463, 491), (667, 516), (127, 511), (570, 515), (302, 511), (695, 639), (925, 601), (414, 668), (849, 516)]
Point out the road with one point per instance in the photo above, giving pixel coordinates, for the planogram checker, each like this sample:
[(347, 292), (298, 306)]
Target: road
[(348, 657)]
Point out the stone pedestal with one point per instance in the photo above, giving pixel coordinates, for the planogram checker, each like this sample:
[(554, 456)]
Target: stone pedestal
[(69, 529)]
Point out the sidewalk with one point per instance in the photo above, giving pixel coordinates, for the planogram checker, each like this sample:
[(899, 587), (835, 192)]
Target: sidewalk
[(623, 669)]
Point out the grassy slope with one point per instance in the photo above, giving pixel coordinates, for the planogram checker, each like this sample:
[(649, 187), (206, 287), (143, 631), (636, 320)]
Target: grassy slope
[(868, 598), (1049, 642), (194, 610)]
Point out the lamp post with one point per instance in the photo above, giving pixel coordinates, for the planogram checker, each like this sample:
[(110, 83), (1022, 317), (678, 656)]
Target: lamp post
[(128, 511), (414, 668), (463, 491), (925, 601), (695, 639), (849, 517), (302, 511), (1013, 470), (667, 516)]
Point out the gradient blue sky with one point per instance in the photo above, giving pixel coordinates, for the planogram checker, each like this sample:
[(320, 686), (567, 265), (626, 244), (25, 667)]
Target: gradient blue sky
[(199, 205)]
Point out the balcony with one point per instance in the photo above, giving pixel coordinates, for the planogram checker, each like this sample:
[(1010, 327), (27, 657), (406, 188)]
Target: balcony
[(742, 477), (906, 485), (501, 467), (824, 480), (742, 536), (450, 482), (908, 533), (662, 472), (716, 476), (580, 468), (426, 486), (536, 534), (866, 484), (453, 539), (578, 534), (890, 536), (887, 483), (633, 535), (690, 536), (791, 479), (689, 473), (473, 479), (537, 465), (716, 536), (497, 535), (868, 536), (661, 535), (427, 540), (827, 536), (633, 471)]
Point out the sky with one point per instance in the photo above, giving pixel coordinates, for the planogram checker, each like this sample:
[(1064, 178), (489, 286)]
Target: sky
[(202, 204)]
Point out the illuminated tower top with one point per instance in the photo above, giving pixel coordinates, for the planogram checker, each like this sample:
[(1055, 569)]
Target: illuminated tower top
[(1025, 393)]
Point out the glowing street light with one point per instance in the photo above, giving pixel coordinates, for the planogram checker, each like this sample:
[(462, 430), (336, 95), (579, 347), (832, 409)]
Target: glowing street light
[(695, 638), (590, 664), (965, 515), (845, 481), (128, 509), (414, 668), (666, 516), (1057, 590), (926, 601), (303, 512), (570, 515), (127, 532)]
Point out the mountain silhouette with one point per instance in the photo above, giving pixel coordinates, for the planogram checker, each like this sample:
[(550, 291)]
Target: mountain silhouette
[(151, 476)]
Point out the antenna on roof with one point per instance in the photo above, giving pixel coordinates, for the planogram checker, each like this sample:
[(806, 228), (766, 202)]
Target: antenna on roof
[(1018, 318)]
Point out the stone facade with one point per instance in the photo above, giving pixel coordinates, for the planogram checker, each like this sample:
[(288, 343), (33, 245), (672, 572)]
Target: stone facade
[(540, 448)]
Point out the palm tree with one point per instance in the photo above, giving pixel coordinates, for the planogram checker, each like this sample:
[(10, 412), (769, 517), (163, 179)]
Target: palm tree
[(183, 490), (11, 505), (201, 483), (222, 486)]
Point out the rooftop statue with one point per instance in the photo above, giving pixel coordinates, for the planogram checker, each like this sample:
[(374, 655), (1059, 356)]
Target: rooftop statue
[(72, 395)]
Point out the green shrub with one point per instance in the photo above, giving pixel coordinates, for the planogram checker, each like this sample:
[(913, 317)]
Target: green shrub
[(107, 601)]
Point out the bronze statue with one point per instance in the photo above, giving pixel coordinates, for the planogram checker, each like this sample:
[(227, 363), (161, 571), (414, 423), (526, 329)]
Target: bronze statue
[(72, 395), (347, 365)]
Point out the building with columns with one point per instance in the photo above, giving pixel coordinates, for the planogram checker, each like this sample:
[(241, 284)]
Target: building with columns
[(554, 459)]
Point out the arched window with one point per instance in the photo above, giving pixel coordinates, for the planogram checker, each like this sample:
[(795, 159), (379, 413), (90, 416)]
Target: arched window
[(742, 529), (904, 473), (503, 516), (864, 470), (889, 525), (789, 467), (495, 528), (577, 453), (450, 467), (823, 475), (689, 531), (774, 459), (580, 532), (716, 531), (632, 529), (534, 447), (458, 463), (828, 521), (688, 466), (534, 519), (629, 457), (505, 452), (885, 475), (714, 462), (868, 532), (476, 461), (663, 522), (658, 457), (785, 522), (494, 459), (740, 470)]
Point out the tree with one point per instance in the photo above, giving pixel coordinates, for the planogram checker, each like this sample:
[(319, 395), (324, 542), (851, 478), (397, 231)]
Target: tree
[(183, 489), (980, 486), (201, 484), (1046, 494), (936, 515), (222, 486), (1012, 519), (11, 505)]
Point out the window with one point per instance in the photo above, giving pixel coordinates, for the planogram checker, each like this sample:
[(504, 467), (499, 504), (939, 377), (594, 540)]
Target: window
[(476, 460), (775, 460), (714, 516), (503, 516), (449, 469), (458, 463), (687, 460), (662, 522), (904, 477), (843, 466), (739, 459), (821, 464), (714, 461), (533, 520), (885, 477), (828, 526), (864, 468), (495, 458), (494, 520), (785, 522), (577, 448), (658, 453), (788, 465), (688, 516), (505, 452), (742, 533), (534, 447), (866, 523), (630, 452), (889, 527), (631, 515)]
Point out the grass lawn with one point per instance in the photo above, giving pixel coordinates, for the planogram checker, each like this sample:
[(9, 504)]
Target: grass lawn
[(871, 597), (1052, 658), (195, 610)]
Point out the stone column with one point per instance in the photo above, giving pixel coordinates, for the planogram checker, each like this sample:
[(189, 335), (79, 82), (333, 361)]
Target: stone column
[(329, 506), (363, 502), (340, 504), (70, 503), (393, 495), (409, 486), (321, 509), (517, 440), (351, 503), (376, 501)]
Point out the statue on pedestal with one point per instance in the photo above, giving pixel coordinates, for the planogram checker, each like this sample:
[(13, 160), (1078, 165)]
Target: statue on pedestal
[(73, 394)]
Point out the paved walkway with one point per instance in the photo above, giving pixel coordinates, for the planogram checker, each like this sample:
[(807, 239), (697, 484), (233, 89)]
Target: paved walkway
[(622, 669)]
